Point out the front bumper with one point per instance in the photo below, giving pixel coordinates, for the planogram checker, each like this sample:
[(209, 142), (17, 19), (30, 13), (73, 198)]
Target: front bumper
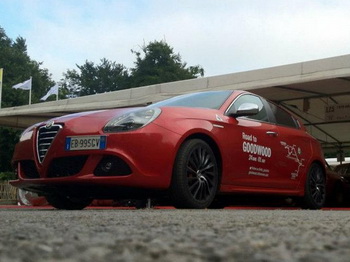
[(141, 159)]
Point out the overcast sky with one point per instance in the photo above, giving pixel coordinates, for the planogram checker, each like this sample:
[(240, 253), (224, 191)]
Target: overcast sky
[(222, 36)]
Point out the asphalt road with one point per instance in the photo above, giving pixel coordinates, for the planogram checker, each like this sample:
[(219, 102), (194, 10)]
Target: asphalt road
[(174, 235)]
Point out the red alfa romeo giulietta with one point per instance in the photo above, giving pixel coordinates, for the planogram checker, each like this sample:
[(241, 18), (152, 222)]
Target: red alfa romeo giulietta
[(190, 148)]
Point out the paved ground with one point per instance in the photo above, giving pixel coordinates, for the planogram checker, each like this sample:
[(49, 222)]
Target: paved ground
[(174, 235)]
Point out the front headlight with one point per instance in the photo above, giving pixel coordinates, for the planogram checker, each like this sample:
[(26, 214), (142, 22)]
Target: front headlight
[(27, 134), (132, 120)]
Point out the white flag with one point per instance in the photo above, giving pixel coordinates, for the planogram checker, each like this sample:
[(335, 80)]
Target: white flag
[(26, 85), (53, 91)]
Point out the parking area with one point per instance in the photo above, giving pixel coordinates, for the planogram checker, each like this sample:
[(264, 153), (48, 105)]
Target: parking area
[(236, 233), (163, 234)]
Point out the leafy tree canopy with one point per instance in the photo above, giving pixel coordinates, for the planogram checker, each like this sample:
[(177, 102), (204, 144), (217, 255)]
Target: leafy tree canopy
[(104, 77), (8, 139), (157, 63), (18, 67)]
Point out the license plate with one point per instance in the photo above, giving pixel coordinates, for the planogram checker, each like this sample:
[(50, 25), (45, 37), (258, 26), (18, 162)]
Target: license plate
[(85, 142)]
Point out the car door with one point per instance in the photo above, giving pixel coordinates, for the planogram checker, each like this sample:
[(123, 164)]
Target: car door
[(254, 147), (295, 148)]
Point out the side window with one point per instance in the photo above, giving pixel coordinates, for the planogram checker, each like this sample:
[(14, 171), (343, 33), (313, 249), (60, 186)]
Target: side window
[(283, 117), (261, 116)]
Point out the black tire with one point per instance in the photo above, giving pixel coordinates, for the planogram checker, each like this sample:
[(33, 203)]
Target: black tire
[(338, 196), (217, 204), (141, 203), (315, 188), (195, 176), (68, 203)]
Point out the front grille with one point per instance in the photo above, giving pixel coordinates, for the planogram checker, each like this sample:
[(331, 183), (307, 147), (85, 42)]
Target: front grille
[(66, 166), (28, 169), (44, 139)]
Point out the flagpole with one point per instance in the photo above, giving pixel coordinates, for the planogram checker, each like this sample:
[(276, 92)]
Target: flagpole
[(30, 91), (1, 73)]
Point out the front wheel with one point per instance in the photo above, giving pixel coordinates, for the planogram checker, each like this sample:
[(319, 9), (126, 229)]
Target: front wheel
[(27, 198), (195, 176), (67, 202), (315, 188)]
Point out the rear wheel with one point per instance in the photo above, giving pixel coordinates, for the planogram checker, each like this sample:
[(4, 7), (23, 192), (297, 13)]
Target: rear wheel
[(67, 202), (338, 196), (195, 175), (315, 188)]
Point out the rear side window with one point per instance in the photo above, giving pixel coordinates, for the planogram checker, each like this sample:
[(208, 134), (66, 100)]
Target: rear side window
[(283, 117)]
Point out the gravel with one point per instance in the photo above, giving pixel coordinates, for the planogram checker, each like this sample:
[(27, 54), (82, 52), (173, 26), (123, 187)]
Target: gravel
[(174, 235)]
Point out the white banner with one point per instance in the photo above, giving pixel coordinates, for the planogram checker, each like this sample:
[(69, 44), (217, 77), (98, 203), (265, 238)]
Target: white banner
[(26, 85), (53, 91)]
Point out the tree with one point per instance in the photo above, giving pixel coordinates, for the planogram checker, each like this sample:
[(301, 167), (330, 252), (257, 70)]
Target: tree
[(18, 67), (8, 139), (155, 63), (159, 64), (92, 79)]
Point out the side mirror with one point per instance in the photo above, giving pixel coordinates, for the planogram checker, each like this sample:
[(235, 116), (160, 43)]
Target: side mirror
[(245, 109)]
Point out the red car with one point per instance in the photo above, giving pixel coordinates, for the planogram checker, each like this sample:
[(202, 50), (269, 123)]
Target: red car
[(190, 148)]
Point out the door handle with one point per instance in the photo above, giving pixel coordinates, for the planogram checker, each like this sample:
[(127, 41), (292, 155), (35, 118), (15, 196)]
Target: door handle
[(271, 133)]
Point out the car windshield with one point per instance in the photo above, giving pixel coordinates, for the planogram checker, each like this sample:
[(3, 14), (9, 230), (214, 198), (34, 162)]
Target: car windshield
[(210, 99)]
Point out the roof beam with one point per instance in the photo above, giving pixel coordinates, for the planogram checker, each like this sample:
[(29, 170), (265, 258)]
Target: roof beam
[(314, 94)]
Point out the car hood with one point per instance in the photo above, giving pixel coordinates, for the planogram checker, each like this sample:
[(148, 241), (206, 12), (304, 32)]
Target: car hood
[(171, 117)]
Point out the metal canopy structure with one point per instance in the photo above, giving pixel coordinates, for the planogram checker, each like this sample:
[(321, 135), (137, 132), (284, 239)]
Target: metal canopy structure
[(318, 92), (316, 104)]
